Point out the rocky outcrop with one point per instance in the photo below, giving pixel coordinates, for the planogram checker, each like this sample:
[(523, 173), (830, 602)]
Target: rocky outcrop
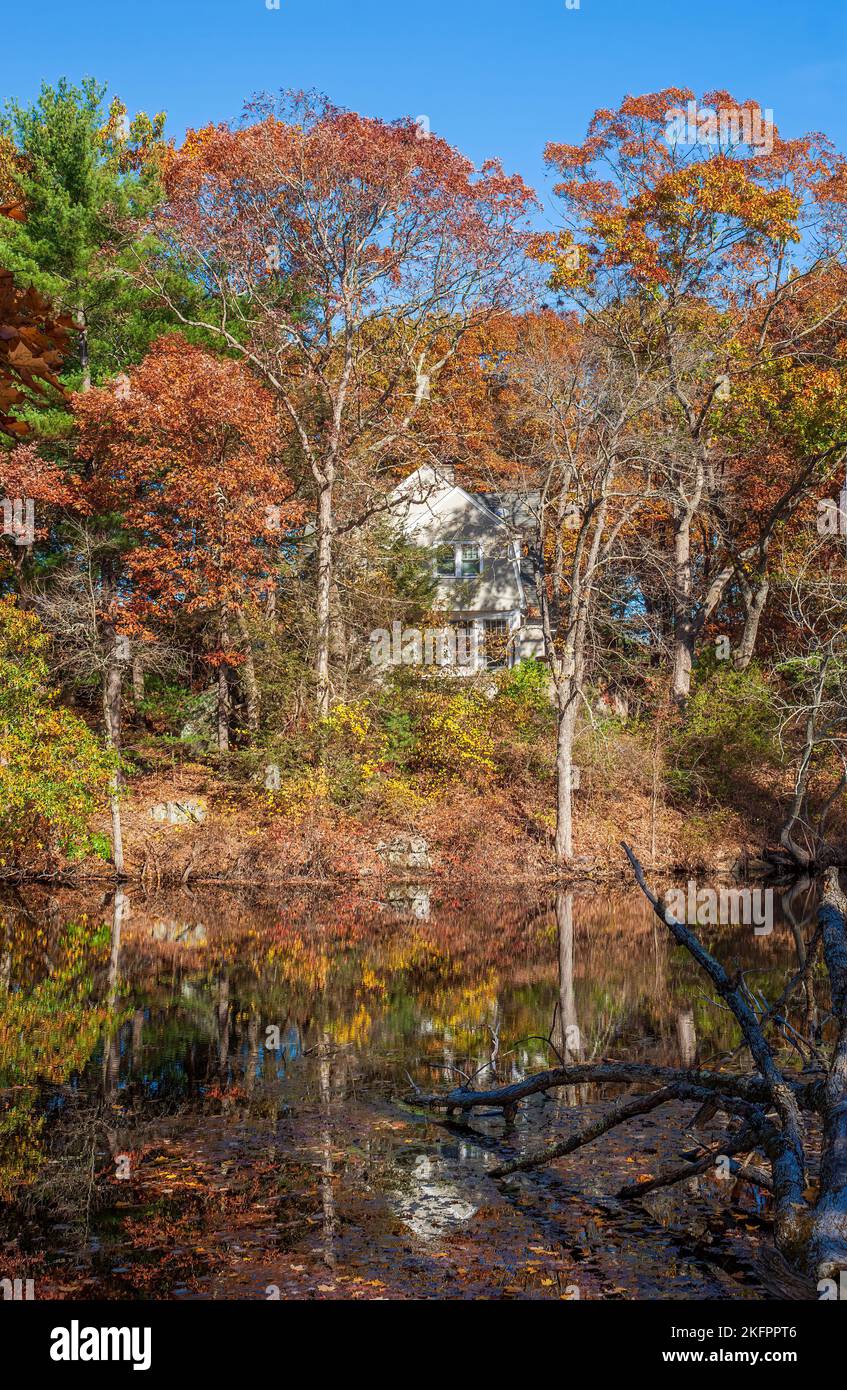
[(188, 812), (405, 852)]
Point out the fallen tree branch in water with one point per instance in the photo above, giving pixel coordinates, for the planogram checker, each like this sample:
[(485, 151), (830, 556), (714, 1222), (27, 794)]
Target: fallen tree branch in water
[(750, 1172), (772, 1103), (786, 1149), (618, 1114), (739, 1143), (729, 1084)]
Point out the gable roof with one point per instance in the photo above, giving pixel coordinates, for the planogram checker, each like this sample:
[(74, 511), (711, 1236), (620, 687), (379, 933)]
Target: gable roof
[(441, 489)]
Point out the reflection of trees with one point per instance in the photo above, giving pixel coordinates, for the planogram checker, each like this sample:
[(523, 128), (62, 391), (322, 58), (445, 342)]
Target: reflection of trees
[(327, 1168), (223, 1024), (686, 1032), (183, 1015), (49, 1028), (434, 989), (567, 1035), (798, 905), (111, 1043)]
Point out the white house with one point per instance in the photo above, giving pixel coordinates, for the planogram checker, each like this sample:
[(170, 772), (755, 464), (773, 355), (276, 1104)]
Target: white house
[(484, 587)]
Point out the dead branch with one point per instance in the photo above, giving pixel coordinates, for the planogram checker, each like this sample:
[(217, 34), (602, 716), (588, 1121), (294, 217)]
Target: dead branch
[(739, 1143), (786, 1148), (618, 1114), (770, 1104), (726, 1084)]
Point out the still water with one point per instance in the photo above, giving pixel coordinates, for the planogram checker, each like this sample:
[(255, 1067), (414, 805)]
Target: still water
[(202, 1096)]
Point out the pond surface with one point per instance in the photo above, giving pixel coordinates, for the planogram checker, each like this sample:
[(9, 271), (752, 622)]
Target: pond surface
[(201, 1096)]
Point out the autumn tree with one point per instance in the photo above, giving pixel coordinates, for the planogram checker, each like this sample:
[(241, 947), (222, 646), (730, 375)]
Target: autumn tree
[(688, 247), (187, 446), (318, 235), (575, 415)]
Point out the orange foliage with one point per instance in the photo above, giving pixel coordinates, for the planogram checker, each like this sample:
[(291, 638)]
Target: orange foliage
[(188, 447)]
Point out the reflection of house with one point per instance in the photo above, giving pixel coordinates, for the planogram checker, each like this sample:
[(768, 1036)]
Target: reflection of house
[(483, 582)]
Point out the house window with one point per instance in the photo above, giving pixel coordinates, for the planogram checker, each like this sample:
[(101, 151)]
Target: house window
[(496, 643), (458, 560), (445, 561), (470, 561)]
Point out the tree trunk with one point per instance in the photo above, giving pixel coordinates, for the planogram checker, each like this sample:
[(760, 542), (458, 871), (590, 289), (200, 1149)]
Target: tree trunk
[(251, 691), (112, 684), (754, 603), (801, 783), (248, 670), (82, 341), (223, 709), (137, 682), (566, 710), (683, 625), (223, 692), (324, 593)]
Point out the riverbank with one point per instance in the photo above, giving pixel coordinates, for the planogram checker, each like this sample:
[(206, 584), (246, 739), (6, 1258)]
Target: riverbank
[(191, 825)]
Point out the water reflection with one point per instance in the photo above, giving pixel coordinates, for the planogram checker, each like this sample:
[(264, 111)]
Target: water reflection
[(434, 1204), (242, 1059)]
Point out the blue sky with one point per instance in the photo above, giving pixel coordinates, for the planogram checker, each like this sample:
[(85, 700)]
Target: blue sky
[(492, 77)]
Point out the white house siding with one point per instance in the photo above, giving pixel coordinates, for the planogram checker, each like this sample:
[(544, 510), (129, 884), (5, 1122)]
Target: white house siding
[(450, 516), (529, 642), (432, 512)]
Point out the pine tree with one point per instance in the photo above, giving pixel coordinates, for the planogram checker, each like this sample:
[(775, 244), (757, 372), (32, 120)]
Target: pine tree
[(85, 178)]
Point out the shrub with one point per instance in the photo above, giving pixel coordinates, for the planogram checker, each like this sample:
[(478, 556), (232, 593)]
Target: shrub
[(526, 687), (53, 770), (728, 726), (454, 738)]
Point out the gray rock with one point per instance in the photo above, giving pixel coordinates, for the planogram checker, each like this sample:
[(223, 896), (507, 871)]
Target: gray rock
[(405, 852), (188, 812), (412, 899)]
